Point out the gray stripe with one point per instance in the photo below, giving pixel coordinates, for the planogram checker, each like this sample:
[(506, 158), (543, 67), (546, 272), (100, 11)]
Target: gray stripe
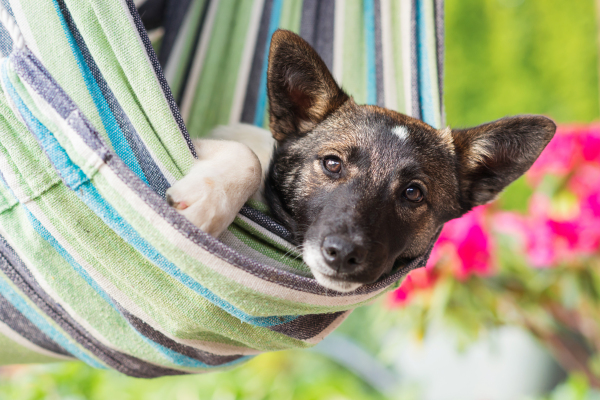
[(14, 268), (379, 54), (439, 38), (30, 70), (22, 326), (159, 74), (414, 61), (254, 79), (317, 27), (151, 171), (307, 326)]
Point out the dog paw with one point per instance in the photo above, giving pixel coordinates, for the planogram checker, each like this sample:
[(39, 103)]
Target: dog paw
[(204, 203), (216, 187)]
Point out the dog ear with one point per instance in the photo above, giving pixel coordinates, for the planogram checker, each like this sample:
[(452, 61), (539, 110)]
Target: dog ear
[(493, 155), (301, 90)]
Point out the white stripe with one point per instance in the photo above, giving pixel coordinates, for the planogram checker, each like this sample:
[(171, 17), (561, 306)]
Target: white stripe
[(10, 25), (246, 63), (405, 24), (28, 37), (338, 40), (200, 55), (389, 76), (15, 337)]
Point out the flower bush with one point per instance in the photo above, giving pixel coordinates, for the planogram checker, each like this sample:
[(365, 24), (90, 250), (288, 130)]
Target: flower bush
[(531, 258)]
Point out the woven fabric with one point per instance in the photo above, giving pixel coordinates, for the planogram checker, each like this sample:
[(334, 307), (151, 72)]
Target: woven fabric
[(94, 264)]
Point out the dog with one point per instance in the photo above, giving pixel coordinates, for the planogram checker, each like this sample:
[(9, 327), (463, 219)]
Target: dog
[(360, 187)]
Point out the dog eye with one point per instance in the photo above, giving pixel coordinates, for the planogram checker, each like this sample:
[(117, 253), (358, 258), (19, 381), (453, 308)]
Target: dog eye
[(414, 194), (332, 164)]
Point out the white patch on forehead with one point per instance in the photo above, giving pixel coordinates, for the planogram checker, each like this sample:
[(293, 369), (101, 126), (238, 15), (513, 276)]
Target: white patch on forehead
[(401, 132)]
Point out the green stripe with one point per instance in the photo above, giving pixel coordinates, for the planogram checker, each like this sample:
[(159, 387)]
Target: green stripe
[(355, 69), (399, 68), (291, 15), (214, 93)]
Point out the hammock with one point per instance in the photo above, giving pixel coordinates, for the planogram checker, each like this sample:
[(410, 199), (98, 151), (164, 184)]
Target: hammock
[(94, 264)]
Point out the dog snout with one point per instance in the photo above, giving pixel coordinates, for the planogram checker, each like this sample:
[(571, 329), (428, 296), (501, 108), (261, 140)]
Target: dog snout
[(341, 254)]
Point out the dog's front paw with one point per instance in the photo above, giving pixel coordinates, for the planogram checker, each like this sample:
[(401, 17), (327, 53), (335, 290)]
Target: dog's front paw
[(215, 189), (203, 203)]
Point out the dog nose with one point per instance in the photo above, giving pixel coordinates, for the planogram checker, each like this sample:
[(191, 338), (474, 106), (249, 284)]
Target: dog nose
[(341, 254)]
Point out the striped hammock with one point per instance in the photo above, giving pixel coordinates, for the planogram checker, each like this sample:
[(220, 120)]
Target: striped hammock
[(94, 264)]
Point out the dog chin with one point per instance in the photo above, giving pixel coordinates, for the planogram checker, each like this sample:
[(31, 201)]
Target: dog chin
[(312, 258)]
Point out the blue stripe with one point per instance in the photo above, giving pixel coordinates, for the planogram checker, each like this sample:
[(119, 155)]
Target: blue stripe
[(261, 104), (425, 93), (116, 136), (76, 179), (369, 20)]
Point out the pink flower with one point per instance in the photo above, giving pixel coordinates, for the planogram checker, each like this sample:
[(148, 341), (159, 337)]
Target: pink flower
[(590, 143), (470, 241), (418, 279)]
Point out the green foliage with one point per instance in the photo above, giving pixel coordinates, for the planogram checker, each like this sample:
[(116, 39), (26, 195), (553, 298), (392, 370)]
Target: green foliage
[(507, 57), (576, 387), (274, 376)]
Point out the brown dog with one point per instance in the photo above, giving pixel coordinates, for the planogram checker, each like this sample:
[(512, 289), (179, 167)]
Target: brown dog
[(360, 187)]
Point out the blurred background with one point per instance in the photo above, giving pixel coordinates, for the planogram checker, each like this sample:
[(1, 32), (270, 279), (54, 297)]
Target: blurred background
[(509, 304)]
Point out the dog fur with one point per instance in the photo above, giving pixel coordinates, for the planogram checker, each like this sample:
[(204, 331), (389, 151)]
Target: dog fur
[(360, 187)]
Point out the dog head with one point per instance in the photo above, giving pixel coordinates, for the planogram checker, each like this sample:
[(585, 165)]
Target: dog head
[(361, 187)]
